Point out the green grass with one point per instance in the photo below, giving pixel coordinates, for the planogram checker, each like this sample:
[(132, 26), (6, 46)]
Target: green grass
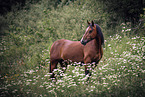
[(120, 73), (25, 46)]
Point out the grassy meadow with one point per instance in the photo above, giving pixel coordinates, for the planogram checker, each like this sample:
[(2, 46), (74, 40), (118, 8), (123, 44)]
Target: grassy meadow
[(26, 38)]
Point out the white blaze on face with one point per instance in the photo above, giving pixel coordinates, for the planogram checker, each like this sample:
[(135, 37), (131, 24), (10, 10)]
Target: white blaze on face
[(82, 39), (85, 33), (87, 30)]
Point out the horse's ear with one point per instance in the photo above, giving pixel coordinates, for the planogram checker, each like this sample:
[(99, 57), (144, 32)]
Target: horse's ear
[(93, 23), (88, 22)]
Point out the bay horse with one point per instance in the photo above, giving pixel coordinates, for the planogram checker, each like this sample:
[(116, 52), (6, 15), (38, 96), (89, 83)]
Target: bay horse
[(88, 50)]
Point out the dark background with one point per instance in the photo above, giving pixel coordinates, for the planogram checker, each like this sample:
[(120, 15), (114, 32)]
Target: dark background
[(128, 10)]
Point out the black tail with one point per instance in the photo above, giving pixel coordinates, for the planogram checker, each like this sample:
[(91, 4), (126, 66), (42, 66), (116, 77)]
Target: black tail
[(50, 68)]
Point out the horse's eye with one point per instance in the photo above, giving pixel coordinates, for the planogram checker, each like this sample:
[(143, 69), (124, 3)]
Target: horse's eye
[(90, 31)]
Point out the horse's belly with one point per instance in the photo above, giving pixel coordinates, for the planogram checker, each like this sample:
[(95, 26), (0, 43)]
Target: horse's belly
[(73, 57)]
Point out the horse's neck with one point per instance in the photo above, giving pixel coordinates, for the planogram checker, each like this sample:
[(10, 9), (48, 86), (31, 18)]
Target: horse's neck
[(94, 45), (97, 44)]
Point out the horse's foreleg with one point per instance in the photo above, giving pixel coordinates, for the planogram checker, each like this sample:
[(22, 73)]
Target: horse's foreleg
[(53, 65), (87, 61), (86, 70)]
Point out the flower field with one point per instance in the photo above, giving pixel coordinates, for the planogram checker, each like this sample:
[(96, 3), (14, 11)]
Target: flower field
[(27, 33), (121, 72)]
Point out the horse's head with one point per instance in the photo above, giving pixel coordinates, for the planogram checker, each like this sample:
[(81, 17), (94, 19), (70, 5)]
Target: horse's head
[(90, 33)]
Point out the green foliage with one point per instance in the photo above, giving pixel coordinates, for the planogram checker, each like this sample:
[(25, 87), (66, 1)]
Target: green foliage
[(71, 24), (127, 10), (24, 38), (120, 73), (27, 36)]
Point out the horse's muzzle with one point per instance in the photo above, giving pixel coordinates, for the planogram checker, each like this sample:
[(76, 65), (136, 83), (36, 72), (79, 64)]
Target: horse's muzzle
[(83, 42)]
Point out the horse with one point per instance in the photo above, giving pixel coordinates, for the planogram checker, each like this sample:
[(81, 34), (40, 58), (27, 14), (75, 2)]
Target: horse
[(86, 51)]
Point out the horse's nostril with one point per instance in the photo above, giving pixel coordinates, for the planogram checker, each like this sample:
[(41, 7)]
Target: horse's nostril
[(83, 42)]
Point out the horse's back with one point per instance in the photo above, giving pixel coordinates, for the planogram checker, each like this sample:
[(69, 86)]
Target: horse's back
[(66, 49)]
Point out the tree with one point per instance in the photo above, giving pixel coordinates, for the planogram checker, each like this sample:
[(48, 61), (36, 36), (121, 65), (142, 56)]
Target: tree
[(128, 10)]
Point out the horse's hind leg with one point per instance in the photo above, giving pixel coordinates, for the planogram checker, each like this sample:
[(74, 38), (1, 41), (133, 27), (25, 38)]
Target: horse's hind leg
[(63, 65), (53, 65)]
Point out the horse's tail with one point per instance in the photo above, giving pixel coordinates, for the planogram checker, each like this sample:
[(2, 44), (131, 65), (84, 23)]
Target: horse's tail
[(50, 68)]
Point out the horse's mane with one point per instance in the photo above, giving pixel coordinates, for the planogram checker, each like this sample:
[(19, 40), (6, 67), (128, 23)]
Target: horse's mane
[(100, 33)]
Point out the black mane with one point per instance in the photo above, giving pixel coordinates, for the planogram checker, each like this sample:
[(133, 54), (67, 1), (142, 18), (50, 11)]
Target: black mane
[(100, 33)]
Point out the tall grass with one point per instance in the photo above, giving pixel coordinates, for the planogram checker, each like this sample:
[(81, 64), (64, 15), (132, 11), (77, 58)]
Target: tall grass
[(120, 73), (29, 33)]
